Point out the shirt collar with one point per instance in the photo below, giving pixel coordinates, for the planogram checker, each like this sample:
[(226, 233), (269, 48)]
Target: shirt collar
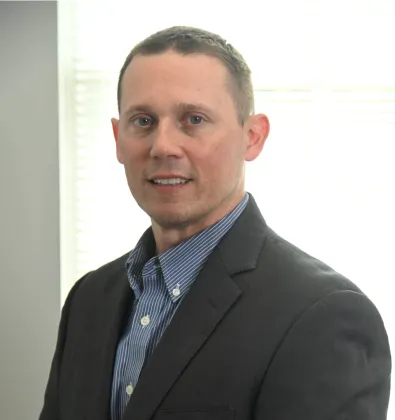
[(181, 264), (143, 252)]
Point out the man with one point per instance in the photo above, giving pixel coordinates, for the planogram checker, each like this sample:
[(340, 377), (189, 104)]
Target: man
[(212, 315)]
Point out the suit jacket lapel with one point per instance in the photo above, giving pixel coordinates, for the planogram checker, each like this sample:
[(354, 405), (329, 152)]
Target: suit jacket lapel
[(210, 298)]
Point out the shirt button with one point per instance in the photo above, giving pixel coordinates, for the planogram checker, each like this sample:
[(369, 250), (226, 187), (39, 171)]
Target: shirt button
[(129, 389), (176, 292), (145, 320)]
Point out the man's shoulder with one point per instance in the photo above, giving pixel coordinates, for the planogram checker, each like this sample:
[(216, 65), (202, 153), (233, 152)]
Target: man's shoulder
[(300, 269), (288, 282)]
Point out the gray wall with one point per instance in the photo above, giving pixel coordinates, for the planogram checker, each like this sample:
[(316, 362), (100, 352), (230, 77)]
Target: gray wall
[(29, 204)]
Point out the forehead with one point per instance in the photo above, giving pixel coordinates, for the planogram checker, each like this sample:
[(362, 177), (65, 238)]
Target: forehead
[(185, 78)]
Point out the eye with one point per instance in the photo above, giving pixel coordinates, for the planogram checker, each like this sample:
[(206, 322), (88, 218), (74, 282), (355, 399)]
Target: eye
[(195, 119), (143, 121)]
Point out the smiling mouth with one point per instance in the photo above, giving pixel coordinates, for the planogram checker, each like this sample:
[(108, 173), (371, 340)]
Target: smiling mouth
[(172, 182)]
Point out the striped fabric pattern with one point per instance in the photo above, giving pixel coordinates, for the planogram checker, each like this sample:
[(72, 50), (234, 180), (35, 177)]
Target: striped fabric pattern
[(159, 284)]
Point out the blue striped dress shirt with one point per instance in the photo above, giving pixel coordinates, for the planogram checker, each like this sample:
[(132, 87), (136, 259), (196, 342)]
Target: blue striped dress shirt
[(159, 283)]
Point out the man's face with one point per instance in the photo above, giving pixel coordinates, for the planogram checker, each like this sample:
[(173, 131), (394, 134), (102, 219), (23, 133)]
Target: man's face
[(180, 140)]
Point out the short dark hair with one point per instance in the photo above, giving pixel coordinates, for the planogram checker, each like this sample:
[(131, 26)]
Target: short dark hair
[(188, 40)]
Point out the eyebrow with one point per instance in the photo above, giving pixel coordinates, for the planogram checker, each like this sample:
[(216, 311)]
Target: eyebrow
[(189, 107), (138, 108), (181, 107)]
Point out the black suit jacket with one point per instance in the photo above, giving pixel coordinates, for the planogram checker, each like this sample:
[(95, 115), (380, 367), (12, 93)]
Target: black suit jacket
[(266, 332)]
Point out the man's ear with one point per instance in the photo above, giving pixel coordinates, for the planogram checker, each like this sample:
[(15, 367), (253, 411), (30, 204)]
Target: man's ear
[(115, 126), (257, 131), (114, 123)]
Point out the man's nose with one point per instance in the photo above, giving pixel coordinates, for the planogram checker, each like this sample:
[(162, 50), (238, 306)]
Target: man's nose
[(166, 141)]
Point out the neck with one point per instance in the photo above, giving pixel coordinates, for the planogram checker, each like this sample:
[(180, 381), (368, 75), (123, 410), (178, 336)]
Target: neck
[(168, 237)]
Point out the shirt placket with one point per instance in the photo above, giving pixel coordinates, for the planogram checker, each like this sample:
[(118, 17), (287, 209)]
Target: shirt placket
[(142, 330)]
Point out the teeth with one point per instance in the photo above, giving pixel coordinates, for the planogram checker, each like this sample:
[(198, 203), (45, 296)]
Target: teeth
[(170, 181)]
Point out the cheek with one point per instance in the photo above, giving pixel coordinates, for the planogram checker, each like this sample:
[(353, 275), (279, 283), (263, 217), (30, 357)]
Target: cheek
[(120, 154), (129, 153), (122, 149), (229, 150), (222, 160)]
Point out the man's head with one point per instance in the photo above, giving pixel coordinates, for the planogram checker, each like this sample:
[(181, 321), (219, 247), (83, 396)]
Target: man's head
[(186, 127)]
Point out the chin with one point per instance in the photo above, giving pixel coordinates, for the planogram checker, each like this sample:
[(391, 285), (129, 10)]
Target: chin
[(171, 220), (177, 215)]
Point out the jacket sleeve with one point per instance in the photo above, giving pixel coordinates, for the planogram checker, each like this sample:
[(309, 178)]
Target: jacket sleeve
[(333, 364), (50, 408)]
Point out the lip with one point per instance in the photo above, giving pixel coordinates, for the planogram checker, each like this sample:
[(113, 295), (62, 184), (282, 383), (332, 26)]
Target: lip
[(167, 176), (169, 188)]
